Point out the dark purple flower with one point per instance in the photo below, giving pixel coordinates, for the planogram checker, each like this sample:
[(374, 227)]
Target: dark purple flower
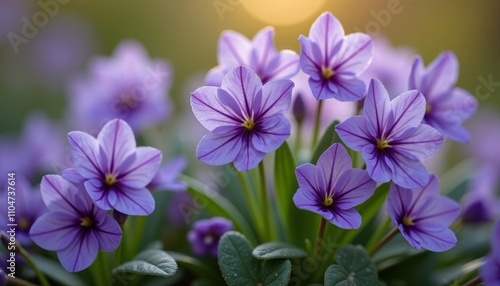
[(334, 61), (74, 226), (423, 216), (128, 85), (333, 188), (167, 176), (28, 207), (116, 172), (259, 54), (246, 119), (447, 107), (205, 235), (480, 203), (490, 271), (391, 65), (391, 138)]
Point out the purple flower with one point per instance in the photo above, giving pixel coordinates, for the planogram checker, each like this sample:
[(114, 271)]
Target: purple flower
[(115, 171), (167, 176), (423, 216), (74, 226), (447, 107), (333, 188), (128, 85), (29, 206), (205, 235), (334, 61), (246, 119), (259, 54), (391, 138), (490, 271)]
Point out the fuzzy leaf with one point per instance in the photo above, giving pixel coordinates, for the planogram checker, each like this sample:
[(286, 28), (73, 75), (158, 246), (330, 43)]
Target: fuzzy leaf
[(151, 262), (239, 267), (354, 267), (275, 250)]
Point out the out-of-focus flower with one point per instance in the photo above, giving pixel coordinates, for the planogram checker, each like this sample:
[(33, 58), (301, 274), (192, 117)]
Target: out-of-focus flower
[(490, 271), (334, 61), (61, 48), (391, 137), (205, 235), (28, 207), (480, 203), (39, 148), (447, 106), (116, 172), (260, 55), (74, 226), (167, 176), (333, 188), (11, 17), (483, 146), (423, 216), (246, 119), (128, 86), (391, 65)]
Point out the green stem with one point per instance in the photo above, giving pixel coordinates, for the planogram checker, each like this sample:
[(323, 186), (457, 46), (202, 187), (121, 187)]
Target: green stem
[(43, 280), (379, 233), (18, 282), (139, 226), (265, 202), (317, 124), (321, 236), (384, 240), (251, 200)]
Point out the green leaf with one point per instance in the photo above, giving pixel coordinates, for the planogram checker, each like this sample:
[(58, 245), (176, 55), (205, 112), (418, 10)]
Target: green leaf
[(196, 266), (284, 179), (329, 138), (217, 205), (54, 271), (354, 267), (150, 262), (275, 250), (239, 267)]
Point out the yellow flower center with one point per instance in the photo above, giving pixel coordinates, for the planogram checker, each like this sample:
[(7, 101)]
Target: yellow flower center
[(110, 180), (249, 124), (328, 202), (383, 144), (428, 108), (407, 221), (327, 73), (24, 224), (127, 100), (86, 222)]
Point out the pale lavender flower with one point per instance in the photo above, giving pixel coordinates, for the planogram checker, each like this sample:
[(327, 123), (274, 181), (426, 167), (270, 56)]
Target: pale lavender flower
[(334, 61), (260, 55), (490, 271), (391, 65), (246, 119), (333, 188), (423, 216), (128, 85), (480, 204), (116, 172), (167, 176), (205, 235), (28, 207), (447, 107), (74, 226), (483, 146), (391, 138)]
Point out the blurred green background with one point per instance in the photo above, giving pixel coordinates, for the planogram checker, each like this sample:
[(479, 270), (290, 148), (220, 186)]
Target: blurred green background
[(186, 33)]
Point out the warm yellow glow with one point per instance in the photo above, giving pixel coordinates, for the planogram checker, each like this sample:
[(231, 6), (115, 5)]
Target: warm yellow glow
[(283, 12)]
